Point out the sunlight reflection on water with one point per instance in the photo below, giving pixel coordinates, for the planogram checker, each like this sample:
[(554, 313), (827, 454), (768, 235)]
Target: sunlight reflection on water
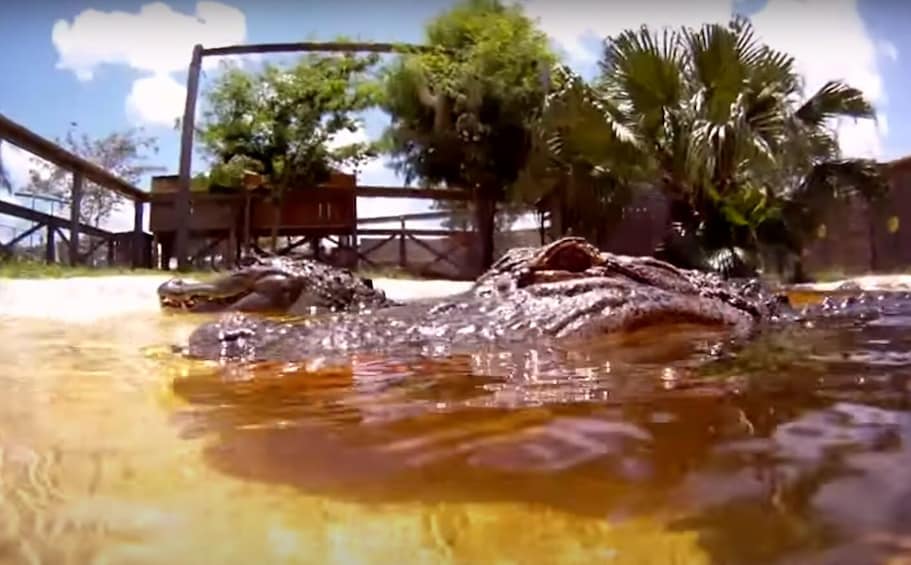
[(641, 449)]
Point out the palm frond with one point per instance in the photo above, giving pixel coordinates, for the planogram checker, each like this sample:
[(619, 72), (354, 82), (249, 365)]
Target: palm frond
[(835, 99), (643, 72), (730, 262)]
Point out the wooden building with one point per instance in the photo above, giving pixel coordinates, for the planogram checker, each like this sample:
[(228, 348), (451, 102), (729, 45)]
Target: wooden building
[(221, 222)]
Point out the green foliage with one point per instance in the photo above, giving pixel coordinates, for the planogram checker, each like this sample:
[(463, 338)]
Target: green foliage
[(460, 113), (286, 122), (711, 116), (122, 153), (745, 162), (582, 157)]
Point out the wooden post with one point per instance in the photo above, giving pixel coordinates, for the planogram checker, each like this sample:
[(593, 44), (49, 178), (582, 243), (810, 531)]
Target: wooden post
[(230, 257), (485, 214), (403, 251), (138, 240), (75, 207), (182, 203), (251, 181), (110, 252), (246, 235), (50, 253), (167, 251)]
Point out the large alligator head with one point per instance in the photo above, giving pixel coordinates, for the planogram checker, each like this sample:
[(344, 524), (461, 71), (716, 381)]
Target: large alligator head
[(285, 285), (566, 289)]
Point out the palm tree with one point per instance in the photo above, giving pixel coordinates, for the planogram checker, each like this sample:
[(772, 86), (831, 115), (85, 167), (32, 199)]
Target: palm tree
[(582, 158), (744, 160)]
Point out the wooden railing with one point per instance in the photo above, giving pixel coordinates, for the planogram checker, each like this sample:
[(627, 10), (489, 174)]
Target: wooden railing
[(446, 252), (81, 170), (54, 227)]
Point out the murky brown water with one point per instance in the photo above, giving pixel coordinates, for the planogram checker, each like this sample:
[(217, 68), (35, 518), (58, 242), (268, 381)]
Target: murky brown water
[(638, 450)]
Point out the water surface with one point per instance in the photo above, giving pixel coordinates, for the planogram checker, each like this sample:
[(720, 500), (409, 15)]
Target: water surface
[(645, 449)]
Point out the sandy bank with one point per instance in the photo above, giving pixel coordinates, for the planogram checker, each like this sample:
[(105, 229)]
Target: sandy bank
[(88, 298), (867, 282)]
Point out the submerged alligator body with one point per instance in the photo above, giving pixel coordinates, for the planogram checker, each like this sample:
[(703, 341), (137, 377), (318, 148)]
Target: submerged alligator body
[(285, 285), (562, 290)]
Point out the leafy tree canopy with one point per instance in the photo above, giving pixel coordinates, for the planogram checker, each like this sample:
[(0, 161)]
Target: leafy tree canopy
[(461, 110), (720, 123), (124, 154), (285, 123)]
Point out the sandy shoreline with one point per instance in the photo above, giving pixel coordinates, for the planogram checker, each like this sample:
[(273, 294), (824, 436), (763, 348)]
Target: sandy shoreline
[(91, 298), (866, 282)]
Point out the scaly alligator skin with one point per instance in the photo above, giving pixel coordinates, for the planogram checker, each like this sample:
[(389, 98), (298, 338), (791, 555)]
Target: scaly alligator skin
[(565, 289), (284, 285)]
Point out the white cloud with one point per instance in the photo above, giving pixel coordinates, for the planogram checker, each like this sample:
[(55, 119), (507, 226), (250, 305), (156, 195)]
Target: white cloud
[(156, 100), (570, 24), (842, 49), (157, 41)]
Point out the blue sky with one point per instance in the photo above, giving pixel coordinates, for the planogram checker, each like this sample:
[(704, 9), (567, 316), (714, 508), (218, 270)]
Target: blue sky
[(111, 64)]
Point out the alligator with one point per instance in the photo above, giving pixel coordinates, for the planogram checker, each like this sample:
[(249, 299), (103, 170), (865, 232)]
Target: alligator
[(566, 289), (275, 284)]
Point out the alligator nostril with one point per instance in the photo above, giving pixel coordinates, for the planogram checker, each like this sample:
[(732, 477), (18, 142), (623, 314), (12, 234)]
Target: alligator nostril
[(235, 334)]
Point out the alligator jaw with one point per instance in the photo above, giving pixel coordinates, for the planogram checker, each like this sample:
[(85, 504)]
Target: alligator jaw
[(189, 296)]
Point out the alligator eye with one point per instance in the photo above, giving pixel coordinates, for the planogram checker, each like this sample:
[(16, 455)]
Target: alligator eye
[(572, 258)]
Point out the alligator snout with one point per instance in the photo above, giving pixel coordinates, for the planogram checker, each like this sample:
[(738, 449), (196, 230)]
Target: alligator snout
[(171, 286), (185, 294), (171, 292)]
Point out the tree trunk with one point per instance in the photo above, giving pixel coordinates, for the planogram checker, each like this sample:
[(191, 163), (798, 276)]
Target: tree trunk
[(485, 216)]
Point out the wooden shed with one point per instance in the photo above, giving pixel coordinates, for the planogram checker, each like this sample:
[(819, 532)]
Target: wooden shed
[(219, 218)]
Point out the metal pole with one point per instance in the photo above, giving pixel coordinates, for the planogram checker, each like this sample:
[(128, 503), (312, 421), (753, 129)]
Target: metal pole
[(182, 202)]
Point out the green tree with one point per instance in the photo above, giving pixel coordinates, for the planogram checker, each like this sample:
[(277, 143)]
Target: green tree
[(461, 110), (722, 122), (122, 153), (583, 160), (281, 122)]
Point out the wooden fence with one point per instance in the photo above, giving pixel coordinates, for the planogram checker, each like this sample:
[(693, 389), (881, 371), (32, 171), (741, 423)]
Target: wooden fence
[(422, 252), (133, 248)]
